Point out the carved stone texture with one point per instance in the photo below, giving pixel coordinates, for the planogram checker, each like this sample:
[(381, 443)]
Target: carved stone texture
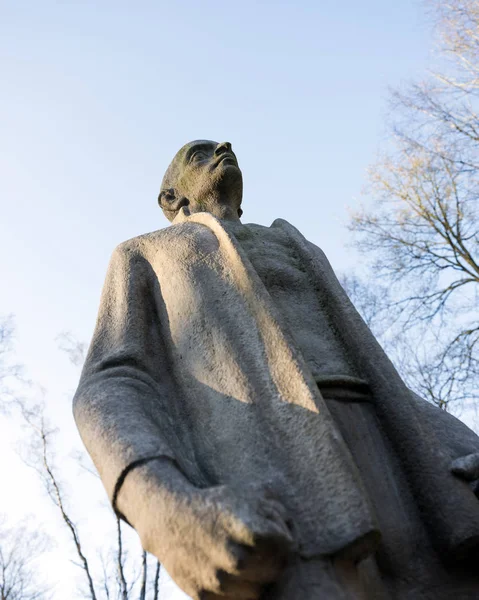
[(247, 424)]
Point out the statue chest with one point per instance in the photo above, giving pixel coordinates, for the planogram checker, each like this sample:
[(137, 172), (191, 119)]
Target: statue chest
[(297, 301)]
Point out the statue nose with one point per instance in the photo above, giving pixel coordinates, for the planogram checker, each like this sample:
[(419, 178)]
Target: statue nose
[(223, 147)]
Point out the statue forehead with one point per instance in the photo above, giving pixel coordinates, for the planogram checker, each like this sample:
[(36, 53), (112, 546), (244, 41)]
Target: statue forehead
[(176, 164), (190, 145)]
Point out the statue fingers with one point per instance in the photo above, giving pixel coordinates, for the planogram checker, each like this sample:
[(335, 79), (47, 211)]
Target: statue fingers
[(274, 507), (258, 526), (274, 533), (263, 565), (234, 588), (230, 581)]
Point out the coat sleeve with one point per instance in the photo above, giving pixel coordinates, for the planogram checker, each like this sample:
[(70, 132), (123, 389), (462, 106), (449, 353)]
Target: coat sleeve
[(125, 386)]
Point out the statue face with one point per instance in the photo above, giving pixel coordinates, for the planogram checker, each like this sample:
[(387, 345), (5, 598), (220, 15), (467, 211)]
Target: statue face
[(204, 176)]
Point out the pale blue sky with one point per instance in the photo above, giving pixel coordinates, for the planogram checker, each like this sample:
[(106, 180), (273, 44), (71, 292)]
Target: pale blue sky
[(96, 97)]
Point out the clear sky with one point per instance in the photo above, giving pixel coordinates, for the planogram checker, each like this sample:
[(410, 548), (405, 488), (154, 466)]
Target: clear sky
[(96, 98)]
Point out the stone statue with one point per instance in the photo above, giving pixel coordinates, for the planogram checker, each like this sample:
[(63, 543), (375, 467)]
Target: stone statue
[(247, 424)]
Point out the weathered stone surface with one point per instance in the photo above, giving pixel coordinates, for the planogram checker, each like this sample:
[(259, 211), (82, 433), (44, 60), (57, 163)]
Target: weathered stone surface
[(246, 422)]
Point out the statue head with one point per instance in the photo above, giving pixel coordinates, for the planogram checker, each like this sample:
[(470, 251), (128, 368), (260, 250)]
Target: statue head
[(204, 176)]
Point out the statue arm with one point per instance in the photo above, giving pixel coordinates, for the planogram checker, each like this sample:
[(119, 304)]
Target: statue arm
[(119, 405), (216, 540)]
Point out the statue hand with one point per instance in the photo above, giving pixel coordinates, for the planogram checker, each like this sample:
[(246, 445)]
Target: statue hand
[(221, 542), (467, 468)]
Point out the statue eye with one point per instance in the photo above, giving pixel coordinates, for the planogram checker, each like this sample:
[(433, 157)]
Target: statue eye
[(197, 156)]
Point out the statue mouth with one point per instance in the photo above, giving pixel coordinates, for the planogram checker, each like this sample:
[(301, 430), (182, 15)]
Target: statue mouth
[(226, 158)]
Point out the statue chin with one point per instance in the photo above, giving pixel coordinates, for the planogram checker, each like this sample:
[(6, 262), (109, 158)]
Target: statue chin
[(230, 184)]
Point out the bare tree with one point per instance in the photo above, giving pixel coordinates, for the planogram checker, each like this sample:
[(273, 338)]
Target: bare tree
[(10, 372), (73, 347), (156, 582), (41, 458), (443, 384), (20, 548), (109, 574), (422, 229)]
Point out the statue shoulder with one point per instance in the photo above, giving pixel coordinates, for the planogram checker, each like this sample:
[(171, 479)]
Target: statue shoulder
[(292, 231), (277, 224), (300, 239), (282, 224), (140, 244)]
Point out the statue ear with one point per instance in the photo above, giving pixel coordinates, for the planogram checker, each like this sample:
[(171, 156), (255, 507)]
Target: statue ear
[(240, 212), (170, 203), (166, 199)]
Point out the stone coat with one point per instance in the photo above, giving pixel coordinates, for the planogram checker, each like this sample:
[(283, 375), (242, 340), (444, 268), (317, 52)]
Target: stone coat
[(190, 360)]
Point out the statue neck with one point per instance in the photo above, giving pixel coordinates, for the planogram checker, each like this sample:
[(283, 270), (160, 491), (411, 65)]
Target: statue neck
[(230, 216)]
